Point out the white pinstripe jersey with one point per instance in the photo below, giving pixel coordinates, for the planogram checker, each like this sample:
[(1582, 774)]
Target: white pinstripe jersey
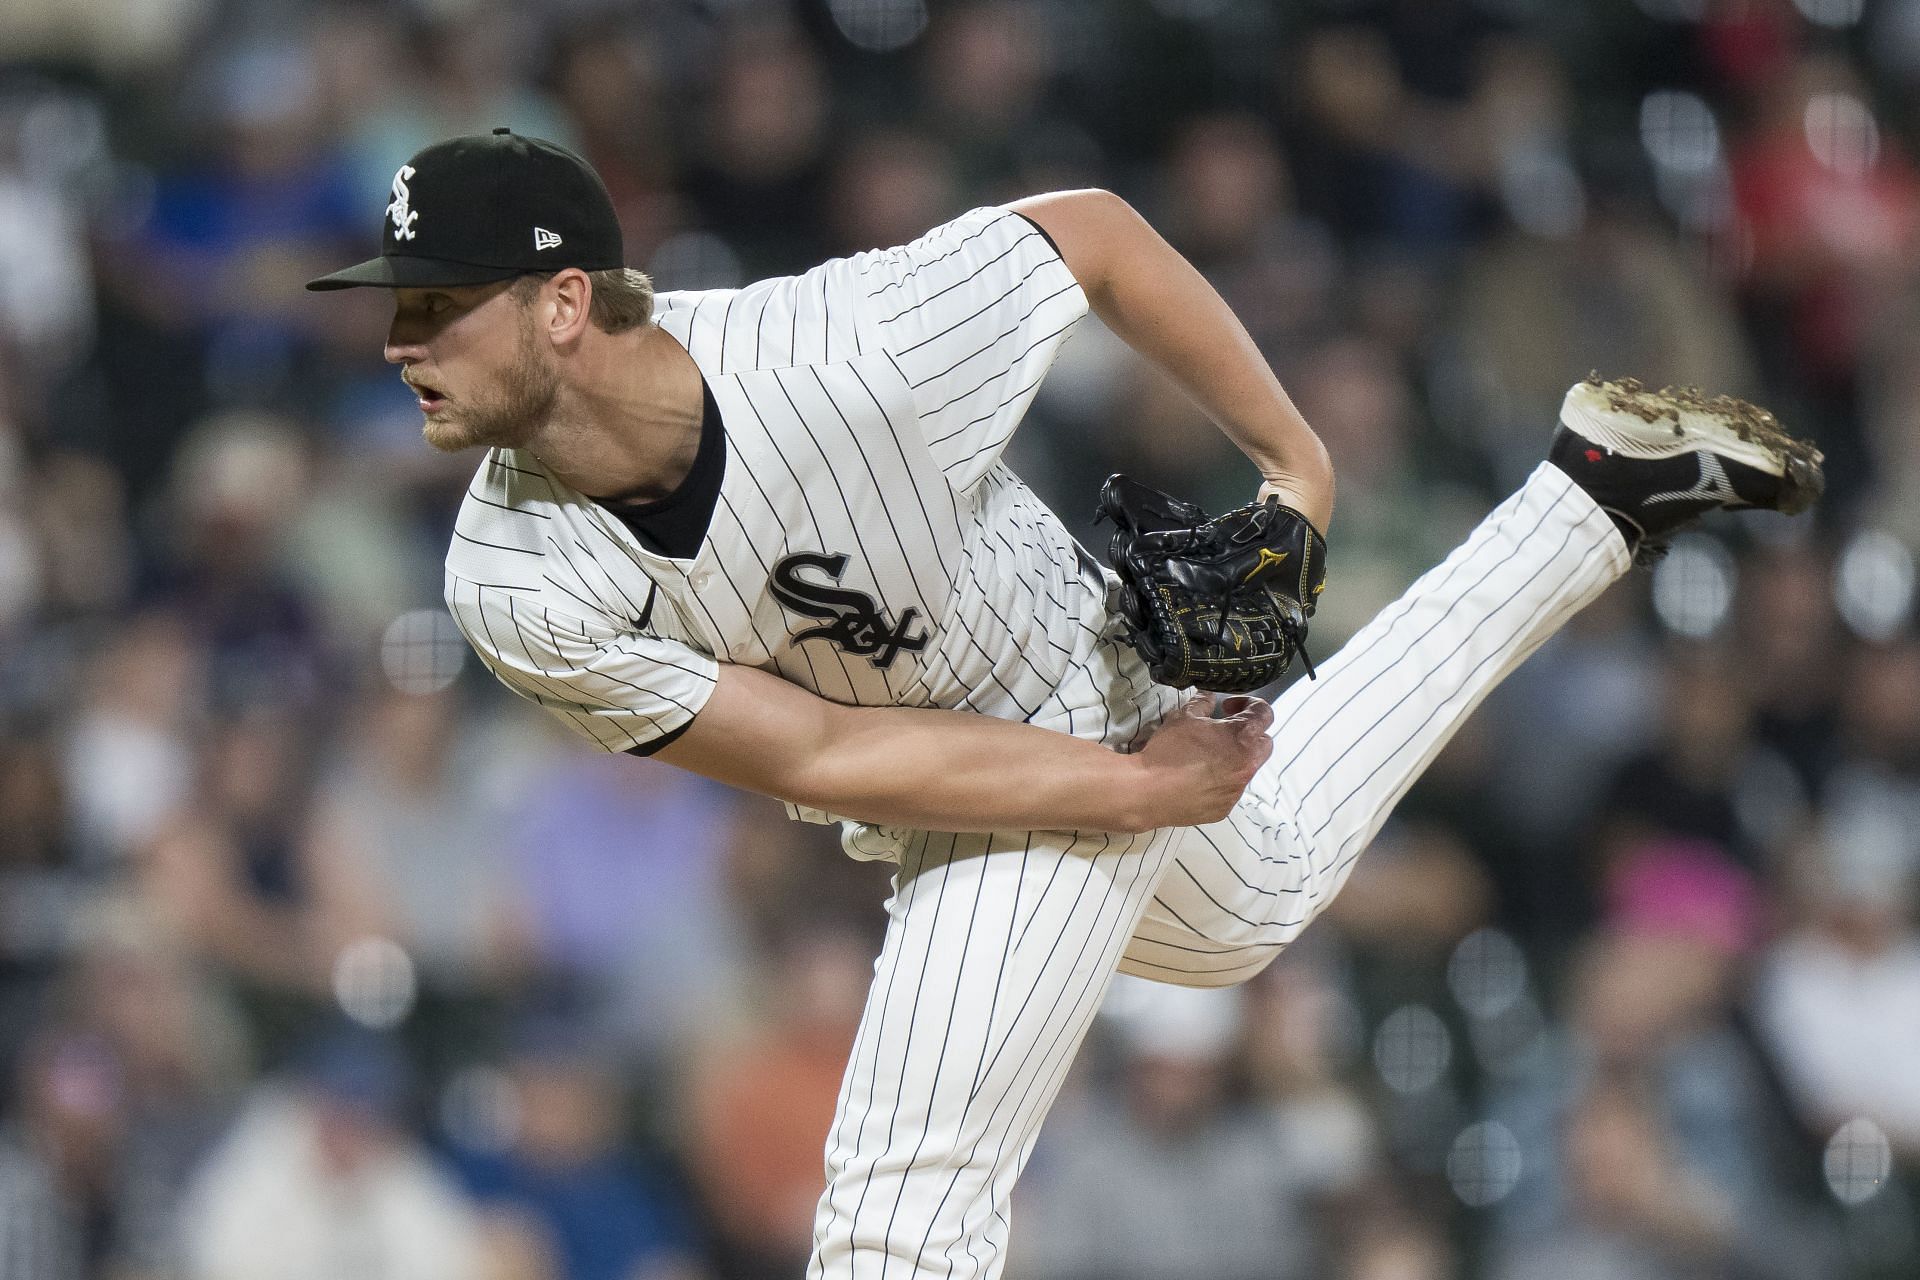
[(868, 544)]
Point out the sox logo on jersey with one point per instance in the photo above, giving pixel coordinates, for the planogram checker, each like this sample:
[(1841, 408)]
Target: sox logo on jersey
[(866, 404), (858, 623)]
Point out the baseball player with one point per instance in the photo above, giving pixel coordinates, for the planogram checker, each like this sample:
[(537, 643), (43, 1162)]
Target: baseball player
[(765, 533)]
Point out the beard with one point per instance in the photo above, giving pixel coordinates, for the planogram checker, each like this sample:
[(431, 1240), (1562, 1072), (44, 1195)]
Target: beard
[(506, 416)]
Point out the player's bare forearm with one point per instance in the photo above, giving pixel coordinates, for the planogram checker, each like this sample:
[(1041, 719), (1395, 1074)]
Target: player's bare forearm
[(1154, 299), (958, 771)]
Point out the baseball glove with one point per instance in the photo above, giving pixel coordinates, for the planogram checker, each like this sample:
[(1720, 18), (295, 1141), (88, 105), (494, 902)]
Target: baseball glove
[(1219, 603)]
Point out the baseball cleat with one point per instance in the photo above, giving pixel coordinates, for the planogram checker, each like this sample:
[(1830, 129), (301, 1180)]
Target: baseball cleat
[(1656, 461)]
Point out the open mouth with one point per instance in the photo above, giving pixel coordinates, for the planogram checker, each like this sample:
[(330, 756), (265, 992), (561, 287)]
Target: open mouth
[(431, 397)]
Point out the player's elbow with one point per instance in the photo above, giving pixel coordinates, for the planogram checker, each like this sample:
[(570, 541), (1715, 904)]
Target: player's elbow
[(1090, 213), (1086, 202)]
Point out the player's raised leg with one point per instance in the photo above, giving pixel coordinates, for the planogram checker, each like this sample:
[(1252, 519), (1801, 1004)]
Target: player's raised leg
[(1627, 468)]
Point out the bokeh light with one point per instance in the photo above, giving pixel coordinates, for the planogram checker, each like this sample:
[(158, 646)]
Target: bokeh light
[(1487, 972), (374, 982), (1679, 131), (422, 651), (1857, 1160), (1484, 1164), (1842, 133), (1835, 14), (1693, 586), (879, 26), (1873, 585), (1412, 1048)]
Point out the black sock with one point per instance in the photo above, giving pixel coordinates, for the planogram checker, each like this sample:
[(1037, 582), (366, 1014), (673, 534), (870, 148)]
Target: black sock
[(1628, 529)]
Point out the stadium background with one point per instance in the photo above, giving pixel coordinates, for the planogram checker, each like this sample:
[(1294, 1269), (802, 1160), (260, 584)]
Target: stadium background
[(321, 957)]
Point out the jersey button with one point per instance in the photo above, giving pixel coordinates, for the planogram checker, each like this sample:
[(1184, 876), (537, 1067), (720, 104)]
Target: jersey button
[(700, 580)]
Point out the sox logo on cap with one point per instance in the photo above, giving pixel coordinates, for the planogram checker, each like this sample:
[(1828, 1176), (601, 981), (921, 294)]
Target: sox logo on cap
[(403, 217)]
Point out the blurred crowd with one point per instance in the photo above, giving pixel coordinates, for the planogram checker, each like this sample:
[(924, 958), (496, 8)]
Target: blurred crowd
[(322, 958)]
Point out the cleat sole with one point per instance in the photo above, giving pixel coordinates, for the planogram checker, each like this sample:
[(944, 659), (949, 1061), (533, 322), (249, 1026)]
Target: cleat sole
[(1623, 415)]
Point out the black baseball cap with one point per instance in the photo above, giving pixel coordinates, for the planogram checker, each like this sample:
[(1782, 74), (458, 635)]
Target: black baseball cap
[(489, 207)]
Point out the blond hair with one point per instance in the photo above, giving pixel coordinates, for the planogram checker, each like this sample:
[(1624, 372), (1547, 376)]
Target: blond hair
[(622, 297)]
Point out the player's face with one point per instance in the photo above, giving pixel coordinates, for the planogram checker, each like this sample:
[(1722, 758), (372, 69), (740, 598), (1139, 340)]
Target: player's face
[(473, 358)]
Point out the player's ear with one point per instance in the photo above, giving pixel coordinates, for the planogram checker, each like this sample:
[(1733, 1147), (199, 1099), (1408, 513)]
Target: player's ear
[(572, 304)]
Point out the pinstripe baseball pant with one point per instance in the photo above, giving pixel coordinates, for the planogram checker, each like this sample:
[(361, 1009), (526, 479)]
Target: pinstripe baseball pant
[(999, 948)]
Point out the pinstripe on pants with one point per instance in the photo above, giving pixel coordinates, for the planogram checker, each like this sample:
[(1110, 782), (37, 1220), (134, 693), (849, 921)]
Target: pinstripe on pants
[(999, 948)]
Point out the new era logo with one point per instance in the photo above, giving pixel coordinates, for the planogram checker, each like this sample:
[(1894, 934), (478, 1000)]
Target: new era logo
[(545, 239)]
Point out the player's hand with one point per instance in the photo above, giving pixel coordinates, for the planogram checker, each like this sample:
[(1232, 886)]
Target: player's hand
[(1201, 758)]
